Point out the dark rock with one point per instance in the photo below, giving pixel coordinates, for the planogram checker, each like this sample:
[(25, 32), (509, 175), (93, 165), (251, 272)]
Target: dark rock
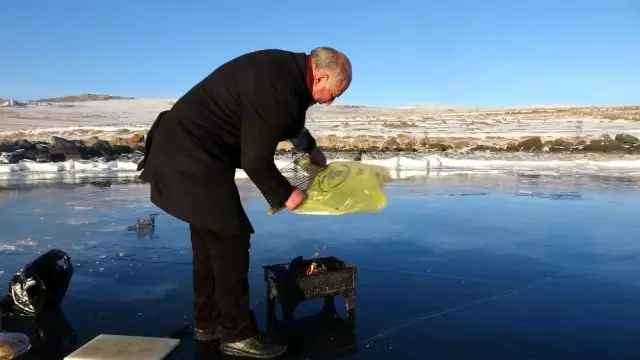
[(101, 147), (141, 146), (71, 152), (635, 149), (410, 149), (25, 144), (37, 152), (559, 149), (581, 142), (483, 148), (398, 149), (593, 146), (438, 147), (627, 139), (511, 148), (62, 143), (122, 149), (92, 153), (11, 158), (612, 146), (57, 157), (16, 157), (71, 149), (7, 148), (605, 137), (562, 143), (531, 144)]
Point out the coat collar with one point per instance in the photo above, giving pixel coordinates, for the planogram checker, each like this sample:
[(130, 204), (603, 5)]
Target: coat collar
[(301, 63)]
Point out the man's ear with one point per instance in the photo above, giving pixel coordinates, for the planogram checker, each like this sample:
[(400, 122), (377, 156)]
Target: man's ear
[(322, 76)]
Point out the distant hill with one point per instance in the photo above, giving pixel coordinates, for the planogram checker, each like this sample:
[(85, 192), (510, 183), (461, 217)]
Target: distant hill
[(10, 103), (83, 97)]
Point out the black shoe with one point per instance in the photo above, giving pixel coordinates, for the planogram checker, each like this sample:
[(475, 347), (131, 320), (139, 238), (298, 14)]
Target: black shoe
[(254, 347), (207, 334)]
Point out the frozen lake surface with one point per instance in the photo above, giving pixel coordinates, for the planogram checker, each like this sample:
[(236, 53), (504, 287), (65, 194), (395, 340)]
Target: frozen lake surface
[(469, 266)]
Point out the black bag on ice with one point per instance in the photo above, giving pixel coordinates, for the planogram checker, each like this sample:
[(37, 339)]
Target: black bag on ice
[(42, 284)]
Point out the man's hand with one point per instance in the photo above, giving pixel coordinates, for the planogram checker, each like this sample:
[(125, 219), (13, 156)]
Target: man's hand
[(296, 198), (317, 157)]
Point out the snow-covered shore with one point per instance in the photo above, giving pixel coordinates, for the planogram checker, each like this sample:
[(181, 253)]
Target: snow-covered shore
[(451, 127), (106, 118)]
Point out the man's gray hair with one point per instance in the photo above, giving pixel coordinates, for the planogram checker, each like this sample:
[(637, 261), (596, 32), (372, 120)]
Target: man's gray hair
[(332, 61)]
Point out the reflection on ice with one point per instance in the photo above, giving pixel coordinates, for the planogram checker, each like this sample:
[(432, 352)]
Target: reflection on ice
[(96, 287), (569, 195)]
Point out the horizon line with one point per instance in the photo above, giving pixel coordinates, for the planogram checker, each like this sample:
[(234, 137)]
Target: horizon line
[(435, 105)]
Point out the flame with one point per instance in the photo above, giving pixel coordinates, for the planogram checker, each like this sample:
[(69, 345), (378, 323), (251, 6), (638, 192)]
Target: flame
[(312, 269)]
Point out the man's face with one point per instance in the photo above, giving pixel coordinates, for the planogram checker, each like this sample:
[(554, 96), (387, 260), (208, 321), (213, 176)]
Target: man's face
[(326, 90)]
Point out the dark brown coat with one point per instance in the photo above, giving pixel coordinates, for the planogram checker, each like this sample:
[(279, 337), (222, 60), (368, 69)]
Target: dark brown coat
[(234, 118)]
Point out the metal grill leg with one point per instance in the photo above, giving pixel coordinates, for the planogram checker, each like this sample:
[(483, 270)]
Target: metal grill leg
[(271, 308), (350, 304), (350, 297)]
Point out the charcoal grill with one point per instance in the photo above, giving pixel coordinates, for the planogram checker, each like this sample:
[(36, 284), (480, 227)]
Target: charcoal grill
[(290, 285)]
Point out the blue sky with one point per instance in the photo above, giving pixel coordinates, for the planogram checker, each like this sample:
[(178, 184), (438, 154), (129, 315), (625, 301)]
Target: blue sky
[(464, 52)]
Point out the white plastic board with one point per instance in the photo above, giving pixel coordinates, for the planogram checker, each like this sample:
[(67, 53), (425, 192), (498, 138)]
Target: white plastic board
[(121, 347)]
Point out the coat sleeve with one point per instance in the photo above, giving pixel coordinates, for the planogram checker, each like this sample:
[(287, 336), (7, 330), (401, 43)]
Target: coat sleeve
[(263, 126), (304, 141)]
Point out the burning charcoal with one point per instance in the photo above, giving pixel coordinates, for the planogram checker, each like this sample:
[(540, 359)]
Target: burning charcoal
[(312, 269), (315, 268)]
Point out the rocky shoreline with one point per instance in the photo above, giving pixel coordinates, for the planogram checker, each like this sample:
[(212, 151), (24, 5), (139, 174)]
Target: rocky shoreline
[(58, 149), (619, 143)]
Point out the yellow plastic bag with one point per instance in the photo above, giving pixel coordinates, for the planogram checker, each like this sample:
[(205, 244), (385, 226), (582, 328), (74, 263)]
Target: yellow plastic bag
[(345, 187)]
